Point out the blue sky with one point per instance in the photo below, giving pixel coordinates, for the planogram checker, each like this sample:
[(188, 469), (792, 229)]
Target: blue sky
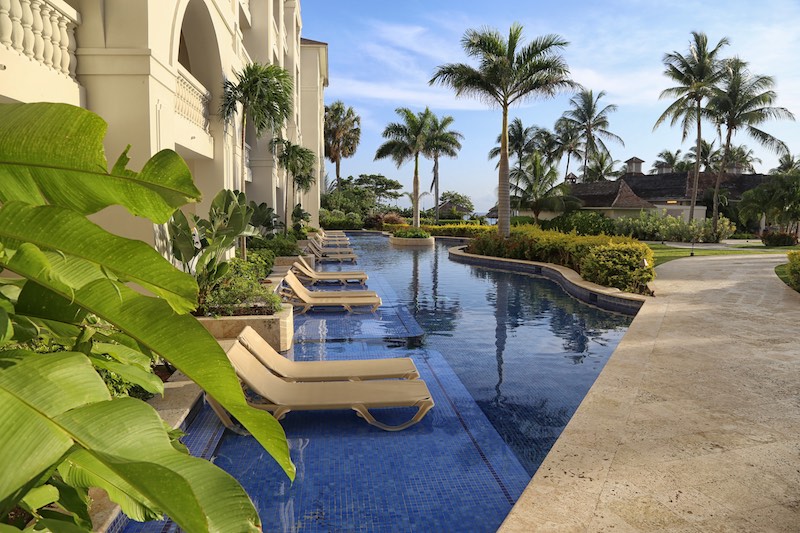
[(382, 54)]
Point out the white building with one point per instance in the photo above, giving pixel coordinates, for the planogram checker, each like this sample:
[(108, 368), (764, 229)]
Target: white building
[(153, 69)]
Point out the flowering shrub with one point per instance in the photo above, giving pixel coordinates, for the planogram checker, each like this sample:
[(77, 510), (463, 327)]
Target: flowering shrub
[(793, 270), (393, 218), (779, 239)]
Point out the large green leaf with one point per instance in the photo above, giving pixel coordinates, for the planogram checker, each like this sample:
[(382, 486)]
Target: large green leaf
[(29, 439), (144, 378), (53, 153), (180, 339), (124, 436), (56, 228)]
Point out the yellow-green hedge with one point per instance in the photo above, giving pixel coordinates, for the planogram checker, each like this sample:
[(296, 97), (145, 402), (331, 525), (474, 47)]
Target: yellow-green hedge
[(620, 262), (449, 230), (793, 270)]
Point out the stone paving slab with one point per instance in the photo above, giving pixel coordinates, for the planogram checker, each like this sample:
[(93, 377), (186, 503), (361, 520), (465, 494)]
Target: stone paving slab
[(694, 424)]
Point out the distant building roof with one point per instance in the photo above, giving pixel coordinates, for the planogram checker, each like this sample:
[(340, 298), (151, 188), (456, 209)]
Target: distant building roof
[(303, 40), (635, 159), (450, 206)]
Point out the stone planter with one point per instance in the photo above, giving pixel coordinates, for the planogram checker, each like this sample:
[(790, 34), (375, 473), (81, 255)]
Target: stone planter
[(401, 241), (288, 260), (277, 329)]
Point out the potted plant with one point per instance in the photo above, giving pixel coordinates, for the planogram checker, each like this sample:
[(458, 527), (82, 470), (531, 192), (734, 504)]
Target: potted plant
[(411, 237)]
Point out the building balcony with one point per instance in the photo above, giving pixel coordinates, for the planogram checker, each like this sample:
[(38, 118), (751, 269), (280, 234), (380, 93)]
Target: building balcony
[(37, 50), (192, 123)]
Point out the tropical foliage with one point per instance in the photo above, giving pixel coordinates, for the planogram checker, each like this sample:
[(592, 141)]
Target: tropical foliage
[(508, 73), (533, 187), (741, 102), (61, 431), (266, 95), (342, 133), (777, 201), (298, 162)]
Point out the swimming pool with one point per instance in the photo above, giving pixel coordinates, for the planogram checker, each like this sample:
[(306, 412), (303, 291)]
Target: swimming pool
[(508, 358)]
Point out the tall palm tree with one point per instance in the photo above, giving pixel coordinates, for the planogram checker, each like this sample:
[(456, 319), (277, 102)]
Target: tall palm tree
[(533, 186), (266, 94), (569, 142), (298, 162), (342, 133), (743, 101), (546, 143), (587, 116), (507, 74), (694, 74), (407, 140), (787, 164), (743, 157), (520, 141), (441, 142)]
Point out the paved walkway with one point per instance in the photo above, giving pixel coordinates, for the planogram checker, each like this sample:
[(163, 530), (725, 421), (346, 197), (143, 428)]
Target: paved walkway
[(694, 424)]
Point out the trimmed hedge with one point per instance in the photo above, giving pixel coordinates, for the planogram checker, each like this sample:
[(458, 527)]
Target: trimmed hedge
[(620, 262), (412, 233), (779, 239), (793, 270), (452, 230)]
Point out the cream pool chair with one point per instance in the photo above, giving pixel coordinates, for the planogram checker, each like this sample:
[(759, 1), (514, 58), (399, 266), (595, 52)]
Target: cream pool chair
[(306, 274), (353, 370), (330, 256), (296, 294), (281, 397)]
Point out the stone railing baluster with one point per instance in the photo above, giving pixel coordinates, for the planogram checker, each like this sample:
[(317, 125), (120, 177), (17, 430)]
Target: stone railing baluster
[(15, 14), (5, 23)]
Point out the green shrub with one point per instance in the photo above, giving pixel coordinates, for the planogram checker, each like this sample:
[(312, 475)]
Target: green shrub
[(374, 221), (581, 222), (279, 245), (650, 226), (779, 239), (572, 250), (793, 270), (626, 266), (239, 292), (262, 260), (412, 233), (518, 221)]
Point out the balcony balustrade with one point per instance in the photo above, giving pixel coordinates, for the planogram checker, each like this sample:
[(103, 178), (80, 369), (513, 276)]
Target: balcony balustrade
[(192, 100), (41, 30)]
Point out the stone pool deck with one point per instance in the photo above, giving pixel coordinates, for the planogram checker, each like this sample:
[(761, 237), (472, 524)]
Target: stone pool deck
[(694, 424)]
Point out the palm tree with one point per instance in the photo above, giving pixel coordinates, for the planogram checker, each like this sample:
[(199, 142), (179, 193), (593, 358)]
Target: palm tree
[(695, 74), (743, 101), (709, 156), (569, 142), (266, 95), (298, 162), (743, 157), (667, 158), (546, 143), (601, 168), (533, 186), (507, 74), (787, 164), (407, 140), (520, 141), (441, 142), (592, 121), (342, 133)]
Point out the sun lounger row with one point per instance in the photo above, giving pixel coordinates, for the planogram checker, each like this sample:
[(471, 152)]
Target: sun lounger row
[(295, 293)]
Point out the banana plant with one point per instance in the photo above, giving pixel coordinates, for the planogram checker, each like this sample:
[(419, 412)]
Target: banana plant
[(61, 432)]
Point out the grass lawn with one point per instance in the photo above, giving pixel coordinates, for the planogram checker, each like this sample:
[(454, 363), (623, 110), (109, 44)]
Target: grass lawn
[(783, 272), (664, 253)]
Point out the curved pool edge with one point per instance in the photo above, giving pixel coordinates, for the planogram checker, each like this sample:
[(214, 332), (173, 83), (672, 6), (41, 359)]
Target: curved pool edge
[(606, 298)]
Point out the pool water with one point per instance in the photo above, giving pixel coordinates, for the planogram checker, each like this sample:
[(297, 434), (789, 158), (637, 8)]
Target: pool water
[(507, 357)]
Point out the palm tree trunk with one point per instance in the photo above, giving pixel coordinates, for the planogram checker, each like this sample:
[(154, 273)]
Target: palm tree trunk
[(723, 165), (503, 193), (415, 200), (286, 206), (436, 184), (243, 240), (696, 167), (338, 177), (566, 171)]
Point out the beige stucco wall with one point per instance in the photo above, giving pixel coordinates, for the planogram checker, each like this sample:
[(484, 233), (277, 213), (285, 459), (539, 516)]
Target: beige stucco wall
[(124, 57)]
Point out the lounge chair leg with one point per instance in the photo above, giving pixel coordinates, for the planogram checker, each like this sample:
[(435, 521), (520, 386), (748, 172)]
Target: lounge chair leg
[(423, 406), (223, 416)]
